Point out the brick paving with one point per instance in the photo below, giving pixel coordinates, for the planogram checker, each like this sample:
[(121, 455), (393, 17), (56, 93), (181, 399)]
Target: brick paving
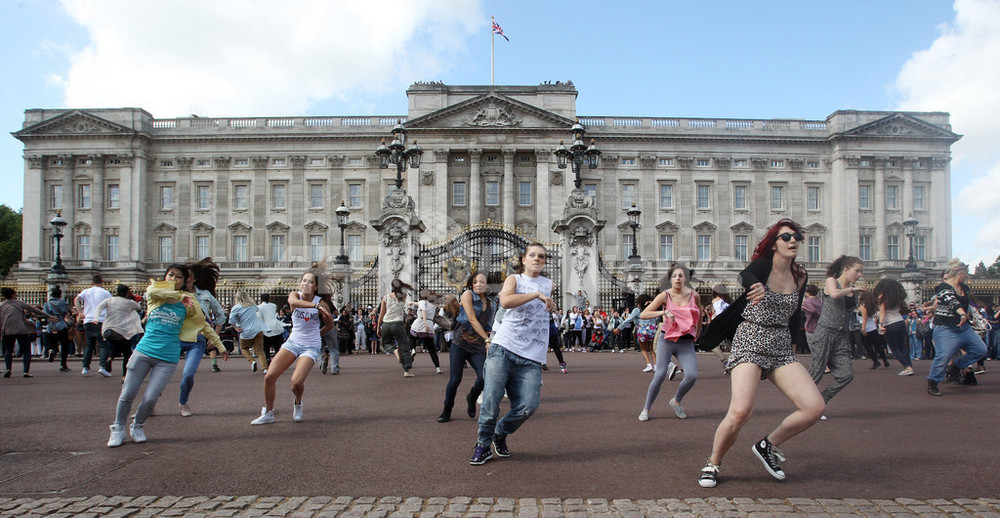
[(485, 507)]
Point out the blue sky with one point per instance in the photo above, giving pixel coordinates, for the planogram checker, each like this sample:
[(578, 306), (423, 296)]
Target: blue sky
[(733, 59)]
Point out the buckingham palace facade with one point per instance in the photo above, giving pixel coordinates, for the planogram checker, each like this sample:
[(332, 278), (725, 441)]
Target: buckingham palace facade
[(258, 194)]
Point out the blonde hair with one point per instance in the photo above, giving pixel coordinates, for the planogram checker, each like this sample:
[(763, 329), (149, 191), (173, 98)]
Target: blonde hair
[(243, 299)]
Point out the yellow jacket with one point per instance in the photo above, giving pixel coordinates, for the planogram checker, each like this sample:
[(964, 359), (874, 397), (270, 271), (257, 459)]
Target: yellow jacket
[(194, 323)]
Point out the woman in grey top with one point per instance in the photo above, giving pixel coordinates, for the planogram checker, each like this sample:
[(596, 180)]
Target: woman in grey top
[(390, 327), (122, 326), (830, 345)]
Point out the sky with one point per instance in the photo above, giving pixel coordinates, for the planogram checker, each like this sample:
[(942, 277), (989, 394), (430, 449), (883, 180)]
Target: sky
[(667, 58)]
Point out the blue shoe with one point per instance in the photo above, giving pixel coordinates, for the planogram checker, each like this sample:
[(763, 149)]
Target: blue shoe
[(480, 455)]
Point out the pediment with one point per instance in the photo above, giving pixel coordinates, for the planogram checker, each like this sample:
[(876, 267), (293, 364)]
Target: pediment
[(742, 228), (74, 123), (239, 226), (316, 226), (201, 227), (165, 228), (277, 226), (815, 228), (705, 226), (492, 112), (668, 227), (900, 126), (354, 226), (81, 228)]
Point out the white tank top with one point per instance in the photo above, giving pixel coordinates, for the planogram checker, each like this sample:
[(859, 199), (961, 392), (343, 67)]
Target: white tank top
[(306, 325), (525, 329)]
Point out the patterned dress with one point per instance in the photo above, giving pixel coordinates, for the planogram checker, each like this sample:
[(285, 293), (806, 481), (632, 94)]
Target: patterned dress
[(763, 338)]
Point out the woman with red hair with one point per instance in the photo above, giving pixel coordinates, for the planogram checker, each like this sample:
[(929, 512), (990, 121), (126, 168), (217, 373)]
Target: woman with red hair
[(768, 316)]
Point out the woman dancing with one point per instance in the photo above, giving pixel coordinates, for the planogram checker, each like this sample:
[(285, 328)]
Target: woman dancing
[(201, 280), (645, 331), (471, 335), (830, 345), (891, 298), (391, 328), (246, 317)]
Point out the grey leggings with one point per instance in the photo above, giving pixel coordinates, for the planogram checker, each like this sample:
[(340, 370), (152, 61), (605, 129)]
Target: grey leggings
[(159, 375), (684, 351)]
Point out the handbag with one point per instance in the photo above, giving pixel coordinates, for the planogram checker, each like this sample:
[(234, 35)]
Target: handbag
[(444, 322)]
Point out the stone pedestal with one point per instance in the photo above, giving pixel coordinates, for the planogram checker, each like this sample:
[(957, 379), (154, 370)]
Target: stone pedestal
[(341, 276), (911, 281), (398, 227), (578, 230)]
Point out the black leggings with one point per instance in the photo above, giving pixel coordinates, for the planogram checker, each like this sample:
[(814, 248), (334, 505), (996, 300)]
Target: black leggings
[(60, 340), (458, 357), (873, 347), (431, 348), (556, 347)]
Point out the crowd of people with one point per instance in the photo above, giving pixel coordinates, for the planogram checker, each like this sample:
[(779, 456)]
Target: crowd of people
[(505, 338)]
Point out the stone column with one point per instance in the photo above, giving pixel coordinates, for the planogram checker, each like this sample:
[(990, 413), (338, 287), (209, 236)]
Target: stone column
[(97, 209), (259, 206), (544, 183), (879, 252), (911, 281), (509, 194), (139, 212), (182, 191), (475, 187), (908, 186), (36, 207), (296, 202), (399, 229), (939, 248), (578, 230), (437, 174), (221, 208)]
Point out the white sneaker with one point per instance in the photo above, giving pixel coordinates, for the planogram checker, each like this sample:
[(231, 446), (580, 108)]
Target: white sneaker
[(296, 412), (644, 415), (823, 417), (649, 368), (117, 436), (678, 409), (185, 411), (137, 433), (671, 371), (407, 374), (85, 372), (266, 417), (437, 370), (104, 373), (253, 367)]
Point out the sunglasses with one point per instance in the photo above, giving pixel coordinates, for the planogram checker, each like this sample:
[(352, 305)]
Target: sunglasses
[(786, 237)]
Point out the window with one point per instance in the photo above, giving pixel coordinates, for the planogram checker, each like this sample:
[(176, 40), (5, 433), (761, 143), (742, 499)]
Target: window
[(740, 247), (166, 197), (315, 196), (590, 189), (812, 165), (240, 248), (666, 196), (316, 248), (242, 162), (492, 194), (703, 162), (628, 161), (740, 163), (52, 247), (777, 164), (204, 163), (278, 198), (865, 248), (166, 249), (83, 248), (56, 197), (278, 247), (667, 247), (704, 248), (627, 245), (458, 194), (166, 163), (666, 161), (891, 197), (279, 161), (919, 248), (815, 254), (204, 194), (354, 195), (111, 254), (458, 160), (83, 197), (202, 247), (918, 197), (704, 193), (892, 247), (114, 198), (240, 197), (524, 194), (864, 163), (864, 197), (739, 197), (777, 197), (354, 248), (354, 161), (316, 161), (628, 195), (812, 198)]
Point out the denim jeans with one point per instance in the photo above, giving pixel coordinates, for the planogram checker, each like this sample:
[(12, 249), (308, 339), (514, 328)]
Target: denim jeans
[(192, 352), (898, 342), (521, 378), (947, 341), (458, 357), (916, 347), (92, 334), (159, 375), (24, 343)]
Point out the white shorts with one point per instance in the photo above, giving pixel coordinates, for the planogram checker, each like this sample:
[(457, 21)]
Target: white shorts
[(301, 350)]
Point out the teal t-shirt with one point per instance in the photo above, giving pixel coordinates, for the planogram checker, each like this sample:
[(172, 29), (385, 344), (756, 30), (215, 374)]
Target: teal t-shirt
[(163, 330)]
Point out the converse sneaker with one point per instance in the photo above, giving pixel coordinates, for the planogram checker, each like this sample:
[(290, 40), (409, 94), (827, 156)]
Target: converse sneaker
[(266, 417), (644, 415), (763, 450), (649, 368), (137, 433), (296, 411), (481, 454), (678, 409), (104, 372), (500, 444), (709, 475), (117, 436)]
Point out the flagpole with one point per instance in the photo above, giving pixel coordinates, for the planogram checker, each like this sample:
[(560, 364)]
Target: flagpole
[(492, 37)]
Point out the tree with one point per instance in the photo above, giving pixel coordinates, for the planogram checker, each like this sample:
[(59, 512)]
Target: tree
[(994, 269), (10, 238)]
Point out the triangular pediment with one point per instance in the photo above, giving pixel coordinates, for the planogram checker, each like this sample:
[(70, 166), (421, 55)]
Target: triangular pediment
[(668, 227), (74, 123), (742, 228), (899, 126), (164, 228), (277, 226), (316, 226), (492, 111), (201, 227), (705, 226), (815, 228), (239, 227)]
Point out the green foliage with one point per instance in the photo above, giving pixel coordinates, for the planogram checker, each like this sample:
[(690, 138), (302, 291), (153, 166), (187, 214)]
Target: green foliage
[(994, 269), (10, 238)]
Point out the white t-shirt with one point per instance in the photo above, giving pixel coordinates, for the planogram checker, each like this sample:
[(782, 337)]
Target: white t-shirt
[(91, 297), (525, 329)]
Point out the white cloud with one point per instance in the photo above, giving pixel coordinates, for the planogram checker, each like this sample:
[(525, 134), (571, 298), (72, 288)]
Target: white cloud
[(243, 57), (959, 74)]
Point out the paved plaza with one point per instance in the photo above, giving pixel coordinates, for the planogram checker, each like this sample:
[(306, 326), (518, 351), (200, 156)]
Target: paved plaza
[(370, 445)]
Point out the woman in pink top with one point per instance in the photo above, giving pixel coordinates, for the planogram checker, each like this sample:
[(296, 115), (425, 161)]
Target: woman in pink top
[(679, 306)]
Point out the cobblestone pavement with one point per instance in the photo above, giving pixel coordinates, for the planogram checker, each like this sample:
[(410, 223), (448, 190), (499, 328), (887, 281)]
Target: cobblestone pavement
[(400, 507)]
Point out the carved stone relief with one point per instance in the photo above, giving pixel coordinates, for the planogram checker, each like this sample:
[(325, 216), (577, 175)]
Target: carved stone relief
[(723, 162), (493, 116), (796, 164), (555, 177), (222, 162), (427, 177)]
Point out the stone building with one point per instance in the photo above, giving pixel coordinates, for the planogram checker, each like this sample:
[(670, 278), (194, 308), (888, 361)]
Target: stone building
[(258, 193)]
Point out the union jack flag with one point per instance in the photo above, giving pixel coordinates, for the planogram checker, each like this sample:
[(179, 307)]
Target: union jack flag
[(498, 30)]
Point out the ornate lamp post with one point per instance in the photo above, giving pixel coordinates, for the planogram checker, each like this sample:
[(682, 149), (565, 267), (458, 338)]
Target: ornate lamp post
[(396, 153), (910, 226), (633, 221), (58, 223), (342, 214), (578, 154)]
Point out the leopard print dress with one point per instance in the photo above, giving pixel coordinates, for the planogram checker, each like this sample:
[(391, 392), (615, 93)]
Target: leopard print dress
[(763, 338)]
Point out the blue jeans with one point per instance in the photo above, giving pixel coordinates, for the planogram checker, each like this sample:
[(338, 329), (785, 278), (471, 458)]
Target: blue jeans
[(92, 335), (916, 347), (947, 341), (192, 352), (521, 378)]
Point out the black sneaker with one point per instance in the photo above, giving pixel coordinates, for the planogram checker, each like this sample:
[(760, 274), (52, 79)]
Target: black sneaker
[(762, 449), (481, 454), (500, 444), (932, 388), (709, 475), (215, 368), (969, 378)]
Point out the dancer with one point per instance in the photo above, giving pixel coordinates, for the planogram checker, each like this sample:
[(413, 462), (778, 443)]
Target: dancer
[(59, 326), (157, 353), (310, 320), (679, 307), (762, 349), (720, 301), (204, 277), (951, 329), (645, 331), (514, 358), (469, 341), (422, 328), (891, 298), (201, 280), (15, 328), (122, 327), (85, 303), (870, 339), (246, 317), (390, 327), (830, 346)]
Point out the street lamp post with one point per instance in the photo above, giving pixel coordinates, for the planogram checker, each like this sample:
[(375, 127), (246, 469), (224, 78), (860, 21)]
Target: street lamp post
[(633, 221), (58, 223), (910, 226), (396, 153), (342, 214), (578, 154)]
